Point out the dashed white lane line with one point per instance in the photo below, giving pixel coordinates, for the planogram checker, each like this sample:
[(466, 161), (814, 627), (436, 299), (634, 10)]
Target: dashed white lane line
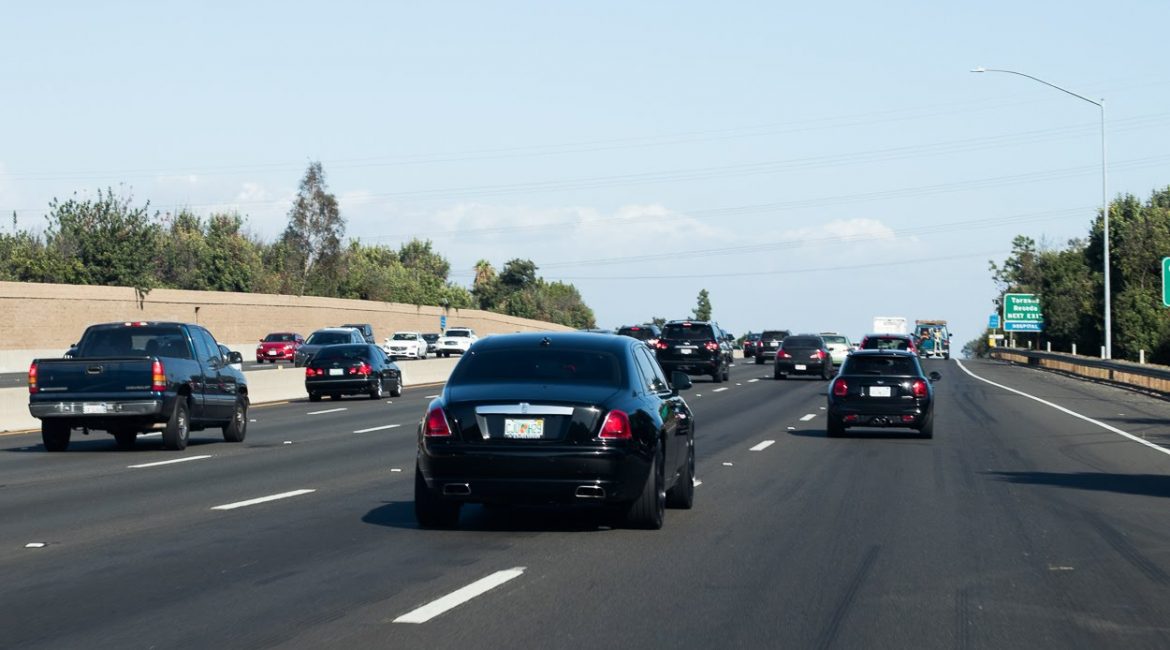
[(763, 445), (168, 462), (1064, 410), (326, 411), (387, 426), (430, 397), (808, 417), (460, 596), (252, 502), (156, 434), (752, 381), (719, 390)]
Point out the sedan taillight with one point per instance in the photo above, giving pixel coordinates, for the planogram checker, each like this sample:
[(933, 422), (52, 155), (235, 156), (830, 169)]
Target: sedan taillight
[(661, 345), (918, 388), (437, 424), (616, 426)]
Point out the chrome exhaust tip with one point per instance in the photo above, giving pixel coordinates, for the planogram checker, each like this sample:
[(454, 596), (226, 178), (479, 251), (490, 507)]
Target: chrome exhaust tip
[(456, 490), (590, 492)]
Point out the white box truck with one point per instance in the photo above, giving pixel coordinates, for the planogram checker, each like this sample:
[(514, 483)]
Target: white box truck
[(889, 325)]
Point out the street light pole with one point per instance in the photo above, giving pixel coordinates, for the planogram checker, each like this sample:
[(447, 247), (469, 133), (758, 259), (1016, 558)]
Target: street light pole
[(1104, 198)]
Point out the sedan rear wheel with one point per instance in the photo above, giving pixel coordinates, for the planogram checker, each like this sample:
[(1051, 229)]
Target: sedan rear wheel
[(682, 495), (397, 390), (649, 509), (430, 510), (376, 391), (834, 428)]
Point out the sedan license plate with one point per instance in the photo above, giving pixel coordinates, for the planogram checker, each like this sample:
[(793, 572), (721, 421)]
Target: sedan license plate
[(801, 366), (879, 391), (336, 371), (272, 353), (523, 428), (93, 408)]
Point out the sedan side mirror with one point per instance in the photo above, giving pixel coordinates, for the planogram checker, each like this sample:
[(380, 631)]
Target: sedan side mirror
[(935, 375), (679, 381), (235, 357)]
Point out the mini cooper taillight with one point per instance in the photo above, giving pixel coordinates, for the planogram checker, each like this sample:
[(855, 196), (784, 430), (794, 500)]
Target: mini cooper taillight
[(840, 388), (918, 388), (616, 426), (437, 424)]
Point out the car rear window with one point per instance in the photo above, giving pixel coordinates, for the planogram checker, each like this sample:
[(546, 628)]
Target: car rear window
[(883, 343), (867, 365), (687, 331), (278, 338), (541, 366), (329, 338), (640, 333), (334, 352), (402, 336), (802, 342), (770, 335), (459, 333), (836, 339), (135, 342)]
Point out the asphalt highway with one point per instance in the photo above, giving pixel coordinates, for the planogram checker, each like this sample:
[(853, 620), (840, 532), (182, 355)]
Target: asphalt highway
[(1022, 524)]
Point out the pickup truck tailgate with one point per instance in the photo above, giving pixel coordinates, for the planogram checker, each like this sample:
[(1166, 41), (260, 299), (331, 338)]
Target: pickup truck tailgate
[(97, 376)]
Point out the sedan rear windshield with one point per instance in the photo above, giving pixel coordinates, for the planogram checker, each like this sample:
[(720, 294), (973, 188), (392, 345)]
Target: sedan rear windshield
[(878, 343), (687, 332), (540, 366), (278, 338), (866, 365), (335, 352), (640, 333), (836, 339), (802, 342), (329, 338), (773, 335)]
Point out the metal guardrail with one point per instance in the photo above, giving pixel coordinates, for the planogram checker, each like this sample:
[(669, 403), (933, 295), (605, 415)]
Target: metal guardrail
[(1149, 377)]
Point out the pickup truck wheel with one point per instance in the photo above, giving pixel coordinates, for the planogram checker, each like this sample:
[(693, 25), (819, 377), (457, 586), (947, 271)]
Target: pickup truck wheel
[(235, 430), (125, 439), (377, 390), (55, 435), (178, 429)]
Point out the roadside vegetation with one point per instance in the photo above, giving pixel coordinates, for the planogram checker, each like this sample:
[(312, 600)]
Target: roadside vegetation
[(110, 240), (1070, 282)]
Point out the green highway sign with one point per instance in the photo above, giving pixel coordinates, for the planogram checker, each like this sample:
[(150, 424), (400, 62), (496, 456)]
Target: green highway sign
[(1021, 313), (1166, 281)]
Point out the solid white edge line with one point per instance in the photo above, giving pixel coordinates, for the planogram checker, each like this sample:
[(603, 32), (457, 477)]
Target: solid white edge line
[(252, 502), (388, 426), (1062, 409), (763, 445), (168, 462), (808, 417), (460, 596), (325, 411)]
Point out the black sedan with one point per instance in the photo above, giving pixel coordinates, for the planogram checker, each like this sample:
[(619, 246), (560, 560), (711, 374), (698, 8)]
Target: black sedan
[(557, 418), (803, 354), (882, 388), (352, 369)]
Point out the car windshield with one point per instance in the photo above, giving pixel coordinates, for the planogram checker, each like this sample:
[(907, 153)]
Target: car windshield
[(687, 332), (802, 342), (540, 366), (881, 365), (135, 342), (403, 336), (430, 338), (336, 352), (329, 338), (458, 333), (278, 338)]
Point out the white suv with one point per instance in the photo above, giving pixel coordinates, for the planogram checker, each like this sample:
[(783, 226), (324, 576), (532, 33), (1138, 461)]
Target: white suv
[(406, 344), (455, 340)]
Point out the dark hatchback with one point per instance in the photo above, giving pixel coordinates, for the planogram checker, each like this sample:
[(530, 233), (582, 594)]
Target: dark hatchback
[(695, 348), (557, 418), (803, 354), (882, 388), (354, 369)]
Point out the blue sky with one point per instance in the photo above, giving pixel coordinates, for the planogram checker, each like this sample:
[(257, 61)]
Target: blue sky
[(810, 165)]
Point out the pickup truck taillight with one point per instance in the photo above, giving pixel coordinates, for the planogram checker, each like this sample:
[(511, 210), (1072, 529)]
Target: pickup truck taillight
[(32, 378), (158, 376)]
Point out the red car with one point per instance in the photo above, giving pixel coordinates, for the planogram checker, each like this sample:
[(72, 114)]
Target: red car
[(278, 346)]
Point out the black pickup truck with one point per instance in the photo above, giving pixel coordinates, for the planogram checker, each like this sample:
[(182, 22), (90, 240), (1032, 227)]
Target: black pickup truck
[(129, 378)]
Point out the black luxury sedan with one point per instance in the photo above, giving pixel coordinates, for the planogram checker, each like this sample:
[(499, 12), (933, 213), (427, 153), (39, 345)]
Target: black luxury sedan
[(882, 388), (696, 348), (803, 354), (557, 418), (353, 369)]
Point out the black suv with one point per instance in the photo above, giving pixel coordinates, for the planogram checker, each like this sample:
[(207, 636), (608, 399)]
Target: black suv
[(366, 329), (768, 344), (648, 334), (695, 347)]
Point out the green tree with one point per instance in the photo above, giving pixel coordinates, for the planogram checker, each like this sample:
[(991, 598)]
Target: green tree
[(312, 240), (702, 309), (104, 241)]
